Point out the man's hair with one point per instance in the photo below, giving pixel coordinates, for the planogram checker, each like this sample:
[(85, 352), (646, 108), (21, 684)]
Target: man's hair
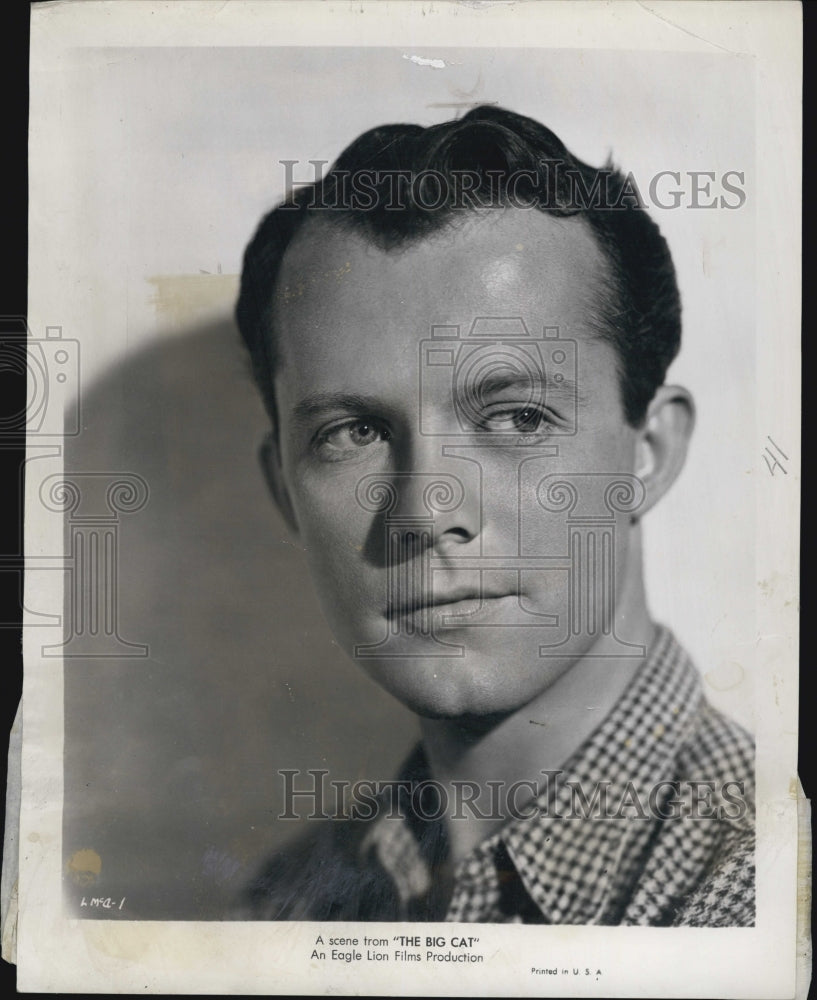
[(398, 184)]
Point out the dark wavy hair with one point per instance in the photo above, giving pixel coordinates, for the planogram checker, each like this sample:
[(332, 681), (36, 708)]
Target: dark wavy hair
[(378, 188)]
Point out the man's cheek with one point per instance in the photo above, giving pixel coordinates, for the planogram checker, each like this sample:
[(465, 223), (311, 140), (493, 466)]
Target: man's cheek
[(334, 543), (333, 533)]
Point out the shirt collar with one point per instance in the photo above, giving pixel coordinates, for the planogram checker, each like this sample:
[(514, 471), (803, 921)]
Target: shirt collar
[(570, 867)]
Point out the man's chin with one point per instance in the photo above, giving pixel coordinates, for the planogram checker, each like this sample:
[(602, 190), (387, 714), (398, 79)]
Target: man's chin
[(473, 689)]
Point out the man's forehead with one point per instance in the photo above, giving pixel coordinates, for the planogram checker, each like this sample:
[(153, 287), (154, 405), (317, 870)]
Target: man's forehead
[(353, 320), (348, 313), (490, 254)]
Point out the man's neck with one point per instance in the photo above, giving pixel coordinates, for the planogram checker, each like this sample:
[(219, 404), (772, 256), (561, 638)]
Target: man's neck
[(542, 735)]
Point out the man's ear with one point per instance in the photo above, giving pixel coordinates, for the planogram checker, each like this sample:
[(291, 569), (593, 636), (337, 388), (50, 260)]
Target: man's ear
[(269, 455), (662, 442)]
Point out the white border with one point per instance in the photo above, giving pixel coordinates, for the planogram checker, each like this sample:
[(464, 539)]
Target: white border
[(57, 954)]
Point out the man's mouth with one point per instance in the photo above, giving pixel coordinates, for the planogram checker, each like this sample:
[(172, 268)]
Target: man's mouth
[(458, 602)]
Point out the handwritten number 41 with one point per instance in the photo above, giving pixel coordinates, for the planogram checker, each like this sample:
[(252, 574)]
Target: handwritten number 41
[(775, 457)]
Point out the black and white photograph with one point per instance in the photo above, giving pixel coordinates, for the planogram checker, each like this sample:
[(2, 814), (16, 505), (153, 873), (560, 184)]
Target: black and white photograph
[(412, 499)]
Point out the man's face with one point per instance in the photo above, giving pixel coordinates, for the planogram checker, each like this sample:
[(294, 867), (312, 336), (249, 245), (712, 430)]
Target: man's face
[(437, 592)]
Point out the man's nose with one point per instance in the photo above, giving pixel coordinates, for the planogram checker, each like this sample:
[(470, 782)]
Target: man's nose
[(434, 486)]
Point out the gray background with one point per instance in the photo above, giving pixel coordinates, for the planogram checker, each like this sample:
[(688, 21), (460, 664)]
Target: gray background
[(171, 761)]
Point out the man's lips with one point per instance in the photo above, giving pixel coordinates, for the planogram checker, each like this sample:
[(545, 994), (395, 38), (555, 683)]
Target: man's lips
[(464, 600)]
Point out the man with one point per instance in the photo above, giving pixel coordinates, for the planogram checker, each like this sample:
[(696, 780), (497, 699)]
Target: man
[(461, 335)]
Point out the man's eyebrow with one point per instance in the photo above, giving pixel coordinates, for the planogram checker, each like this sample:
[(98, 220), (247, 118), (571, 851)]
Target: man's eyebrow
[(320, 403), (563, 387)]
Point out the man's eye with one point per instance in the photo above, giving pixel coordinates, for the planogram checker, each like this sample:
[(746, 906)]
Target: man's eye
[(343, 440), (519, 419)]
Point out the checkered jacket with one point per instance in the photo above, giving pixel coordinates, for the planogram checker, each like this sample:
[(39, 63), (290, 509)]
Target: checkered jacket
[(661, 832)]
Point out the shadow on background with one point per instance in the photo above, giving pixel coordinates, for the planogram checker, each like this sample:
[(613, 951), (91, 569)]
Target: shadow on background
[(172, 790)]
